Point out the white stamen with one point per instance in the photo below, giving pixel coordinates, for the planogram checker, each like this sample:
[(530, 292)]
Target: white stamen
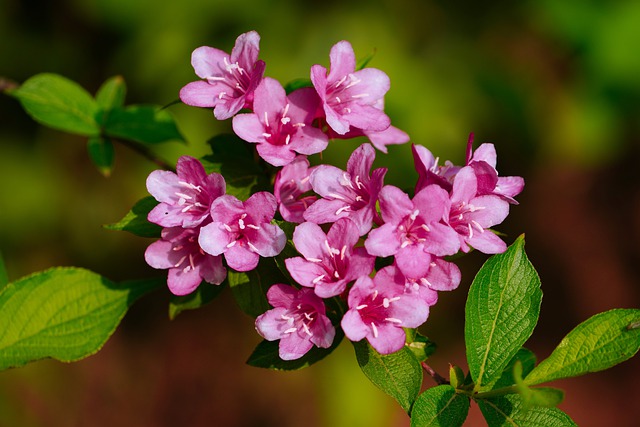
[(354, 81), (336, 275), (231, 244), (299, 125), (470, 231), (191, 263), (284, 114), (342, 209), (255, 227), (314, 259), (186, 208), (287, 139), (241, 224), (359, 198), (306, 329), (360, 95), (266, 135), (221, 95), (216, 78), (425, 227), (326, 245), (308, 316), (226, 227), (344, 249), (339, 82), (361, 306), (177, 248), (290, 330), (184, 196), (375, 294), (385, 303), (180, 262), (336, 196), (317, 279), (285, 317), (478, 226), (393, 320), (414, 215), (425, 282), (266, 119), (253, 248), (405, 243), (375, 330), (338, 100)]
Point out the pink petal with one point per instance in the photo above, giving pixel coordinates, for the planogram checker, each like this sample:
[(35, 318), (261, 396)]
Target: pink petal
[(214, 238), (183, 282), (309, 240), (201, 94), (240, 258), (208, 61), (248, 127), (343, 61)]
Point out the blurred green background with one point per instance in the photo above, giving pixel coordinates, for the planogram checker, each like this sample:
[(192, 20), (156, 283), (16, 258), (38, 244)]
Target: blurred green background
[(555, 85)]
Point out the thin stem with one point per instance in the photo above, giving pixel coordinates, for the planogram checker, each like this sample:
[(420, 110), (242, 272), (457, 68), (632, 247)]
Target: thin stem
[(145, 152), (439, 379)]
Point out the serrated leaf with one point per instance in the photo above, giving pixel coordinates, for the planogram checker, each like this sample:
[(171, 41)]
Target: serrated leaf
[(59, 103), (440, 406), (266, 355), (250, 288), (112, 93), (528, 361), (101, 153), (203, 295), (233, 158), (398, 374), (509, 411), (598, 343), (501, 312), (543, 396), (62, 313), (147, 124), (135, 221)]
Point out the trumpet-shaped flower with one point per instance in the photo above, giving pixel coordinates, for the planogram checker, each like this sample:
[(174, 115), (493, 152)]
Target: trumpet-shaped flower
[(242, 230), (471, 215), (188, 265), (351, 194), (413, 229), (379, 308), (228, 80), (349, 97), (291, 183), (298, 320), (186, 196), (281, 124), (330, 260)]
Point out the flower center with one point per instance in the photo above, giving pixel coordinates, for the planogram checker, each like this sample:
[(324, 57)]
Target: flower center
[(375, 311), (300, 319), (190, 197), (461, 222), (343, 92)]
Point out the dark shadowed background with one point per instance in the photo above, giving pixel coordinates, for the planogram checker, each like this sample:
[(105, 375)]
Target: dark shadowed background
[(555, 85)]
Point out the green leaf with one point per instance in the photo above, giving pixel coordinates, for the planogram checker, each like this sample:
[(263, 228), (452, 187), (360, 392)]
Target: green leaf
[(101, 153), (528, 361), (135, 221), (398, 374), (421, 346), (266, 355), (598, 343), (542, 396), (509, 411), (250, 288), (233, 158), (363, 62), (4, 277), (501, 312), (59, 103), (204, 294), (456, 376), (63, 313), (112, 93), (440, 406), (147, 124)]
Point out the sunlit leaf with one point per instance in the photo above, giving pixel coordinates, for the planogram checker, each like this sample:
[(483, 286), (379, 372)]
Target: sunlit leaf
[(135, 221), (147, 124), (440, 406), (509, 411), (62, 313), (501, 312)]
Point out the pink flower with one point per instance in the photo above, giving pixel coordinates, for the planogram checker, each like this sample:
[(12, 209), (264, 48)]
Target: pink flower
[(429, 172), (185, 197), (291, 183), (330, 260), (440, 275), (349, 97), (483, 161), (298, 320), (351, 194), (242, 230), (413, 230), (228, 81), (471, 215), (281, 124), (380, 308), (188, 265)]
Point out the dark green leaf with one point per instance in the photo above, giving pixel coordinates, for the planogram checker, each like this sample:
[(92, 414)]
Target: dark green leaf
[(63, 313), (509, 411), (112, 93), (250, 288), (101, 153), (203, 295), (440, 406), (421, 346), (266, 355), (59, 103), (234, 159), (365, 61), (598, 343), (135, 221), (147, 124), (398, 374), (501, 312)]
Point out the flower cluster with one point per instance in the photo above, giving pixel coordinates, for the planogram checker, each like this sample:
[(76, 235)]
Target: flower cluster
[(346, 218)]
